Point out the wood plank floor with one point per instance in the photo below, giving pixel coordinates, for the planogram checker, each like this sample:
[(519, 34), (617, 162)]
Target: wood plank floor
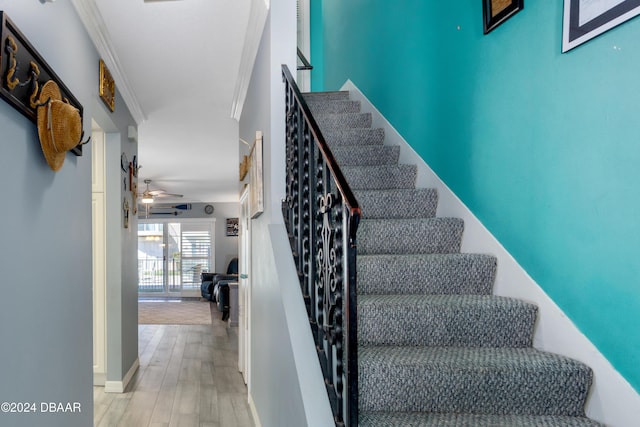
[(188, 377)]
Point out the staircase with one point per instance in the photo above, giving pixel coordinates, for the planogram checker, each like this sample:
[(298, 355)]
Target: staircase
[(435, 347)]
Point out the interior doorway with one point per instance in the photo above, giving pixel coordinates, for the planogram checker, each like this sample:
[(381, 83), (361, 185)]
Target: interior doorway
[(244, 287), (99, 254)]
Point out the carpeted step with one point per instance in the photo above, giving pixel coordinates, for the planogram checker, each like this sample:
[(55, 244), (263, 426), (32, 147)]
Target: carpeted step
[(330, 122), (426, 274), (498, 381), (368, 155), (364, 136), (427, 419), (410, 236), (445, 321), (383, 177), (333, 106), (326, 96), (398, 203)]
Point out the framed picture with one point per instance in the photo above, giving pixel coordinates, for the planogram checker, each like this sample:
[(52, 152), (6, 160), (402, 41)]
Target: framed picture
[(232, 226), (107, 87), (495, 12), (256, 190), (583, 20)]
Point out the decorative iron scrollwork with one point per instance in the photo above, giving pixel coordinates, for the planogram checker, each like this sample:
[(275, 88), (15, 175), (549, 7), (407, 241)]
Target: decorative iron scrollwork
[(320, 211)]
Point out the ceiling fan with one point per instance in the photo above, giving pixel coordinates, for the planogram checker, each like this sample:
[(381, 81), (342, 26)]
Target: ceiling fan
[(148, 196)]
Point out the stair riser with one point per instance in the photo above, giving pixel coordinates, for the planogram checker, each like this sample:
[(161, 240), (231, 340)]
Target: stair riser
[(418, 203), (329, 122), (366, 155), (413, 419), (380, 178), (427, 236), (435, 274), (326, 96), (484, 323), (481, 391), (334, 107), (349, 137)]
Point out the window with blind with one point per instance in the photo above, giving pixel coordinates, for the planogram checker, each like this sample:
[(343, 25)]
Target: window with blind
[(172, 256), (196, 252)]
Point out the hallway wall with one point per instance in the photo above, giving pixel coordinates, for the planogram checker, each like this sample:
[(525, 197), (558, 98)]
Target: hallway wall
[(278, 384), (45, 259), (541, 146)]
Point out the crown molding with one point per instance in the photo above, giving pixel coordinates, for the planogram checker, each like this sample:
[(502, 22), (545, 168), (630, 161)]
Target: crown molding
[(255, 27), (95, 26)]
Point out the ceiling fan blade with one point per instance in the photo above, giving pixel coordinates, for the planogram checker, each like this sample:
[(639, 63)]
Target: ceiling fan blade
[(167, 195)]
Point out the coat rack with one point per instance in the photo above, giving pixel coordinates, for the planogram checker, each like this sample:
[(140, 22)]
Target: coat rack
[(23, 72)]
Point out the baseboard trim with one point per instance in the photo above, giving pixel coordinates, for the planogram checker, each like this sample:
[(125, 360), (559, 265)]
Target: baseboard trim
[(121, 386), (613, 401), (254, 411)]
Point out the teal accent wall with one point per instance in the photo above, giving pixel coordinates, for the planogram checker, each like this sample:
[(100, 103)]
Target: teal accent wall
[(317, 49), (543, 147)]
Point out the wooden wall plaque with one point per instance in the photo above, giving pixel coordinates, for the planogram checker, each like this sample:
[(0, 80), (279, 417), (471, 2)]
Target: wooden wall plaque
[(23, 72)]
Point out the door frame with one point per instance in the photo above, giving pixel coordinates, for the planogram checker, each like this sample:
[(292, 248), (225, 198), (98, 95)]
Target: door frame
[(244, 288), (99, 254)]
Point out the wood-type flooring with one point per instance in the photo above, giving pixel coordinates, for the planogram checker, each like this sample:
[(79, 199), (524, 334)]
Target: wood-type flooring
[(188, 377)]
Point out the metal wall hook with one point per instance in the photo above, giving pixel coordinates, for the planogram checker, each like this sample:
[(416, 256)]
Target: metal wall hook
[(84, 142)]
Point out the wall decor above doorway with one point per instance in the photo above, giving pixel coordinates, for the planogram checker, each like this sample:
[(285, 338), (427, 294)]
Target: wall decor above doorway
[(107, 90), (495, 12)]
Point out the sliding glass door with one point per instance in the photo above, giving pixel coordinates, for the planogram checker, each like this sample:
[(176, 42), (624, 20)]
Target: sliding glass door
[(172, 256)]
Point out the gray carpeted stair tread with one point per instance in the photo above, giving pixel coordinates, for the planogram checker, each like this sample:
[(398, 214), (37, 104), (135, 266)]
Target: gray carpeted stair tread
[(426, 274), (357, 136), (330, 122), (398, 203), (383, 177), (445, 320), (428, 419), (410, 236), (367, 155), (326, 96), (333, 107), (471, 380)]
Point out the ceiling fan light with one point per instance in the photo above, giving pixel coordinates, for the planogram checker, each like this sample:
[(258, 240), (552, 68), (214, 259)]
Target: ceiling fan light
[(147, 199)]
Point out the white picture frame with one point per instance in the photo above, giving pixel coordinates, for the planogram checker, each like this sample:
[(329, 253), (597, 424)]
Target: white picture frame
[(586, 19)]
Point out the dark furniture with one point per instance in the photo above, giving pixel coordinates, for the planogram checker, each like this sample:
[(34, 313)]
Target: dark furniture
[(215, 287)]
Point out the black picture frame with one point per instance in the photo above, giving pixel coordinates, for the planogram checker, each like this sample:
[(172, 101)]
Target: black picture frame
[(495, 12), (232, 227), (597, 18)]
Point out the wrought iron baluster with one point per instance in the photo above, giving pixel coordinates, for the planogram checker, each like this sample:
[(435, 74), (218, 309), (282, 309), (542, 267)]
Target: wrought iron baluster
[(322, 217)]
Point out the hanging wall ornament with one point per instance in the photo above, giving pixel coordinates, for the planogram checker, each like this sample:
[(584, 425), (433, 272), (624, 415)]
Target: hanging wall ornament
[(23, 73)]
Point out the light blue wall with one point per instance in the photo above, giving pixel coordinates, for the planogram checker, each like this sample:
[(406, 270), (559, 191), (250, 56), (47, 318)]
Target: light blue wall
[(543, 147), (45, 228), (271, 353)]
